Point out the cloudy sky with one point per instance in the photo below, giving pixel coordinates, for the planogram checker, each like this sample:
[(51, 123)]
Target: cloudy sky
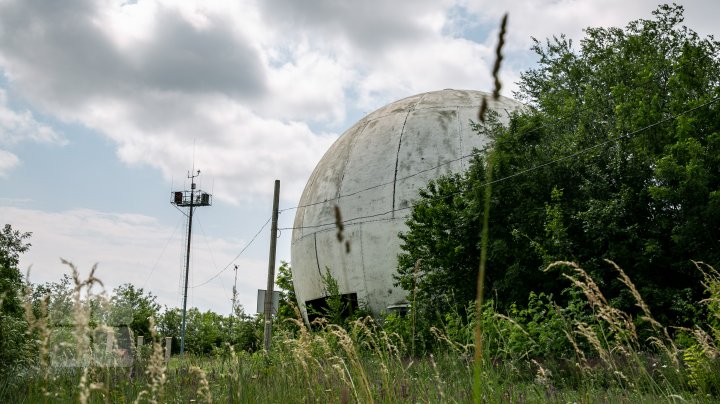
[(105, 104)]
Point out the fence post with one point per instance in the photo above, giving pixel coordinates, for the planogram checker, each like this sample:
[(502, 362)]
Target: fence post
[(168, 348), (138, 346)]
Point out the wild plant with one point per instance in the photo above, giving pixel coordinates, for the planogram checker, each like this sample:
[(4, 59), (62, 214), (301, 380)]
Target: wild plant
[(156, 371), (39, 331), (203, 390), (702, 359), (615, 331)]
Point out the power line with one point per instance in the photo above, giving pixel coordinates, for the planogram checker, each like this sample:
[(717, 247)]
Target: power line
[(349, 221), (167, 242), (236, 257), (212, 255), (386, 219), (625, 136), (355, 220), (474, 153), (553, 161)]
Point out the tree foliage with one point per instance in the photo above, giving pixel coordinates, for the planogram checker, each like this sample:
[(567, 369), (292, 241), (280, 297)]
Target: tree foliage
[(288, 300), (14, 347), (616, 156), (12, 244), (208, 332), (133, 307)]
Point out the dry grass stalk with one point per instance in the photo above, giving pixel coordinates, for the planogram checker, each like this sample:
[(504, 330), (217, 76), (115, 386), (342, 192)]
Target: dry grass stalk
[(81, 314), (376, 341), (309, 352), (515, 323), (496, 69), (349, 347), (385, 348), (340, 229), (394, 344), (585, 283), (339, 224), (583, 363), (477, 387), (438, 380), (667, 345), (346, 377), (620, 323), (711, 283), (454, 345), (543, 376), (203, 391), (638, 299), (78, 314), (86, 387), (589, 334), (156, 370), (705, 341), (39, 324), (234, 372)]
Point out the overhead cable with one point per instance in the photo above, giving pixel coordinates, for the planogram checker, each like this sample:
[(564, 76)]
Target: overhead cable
[(536, 167), (236, 257)]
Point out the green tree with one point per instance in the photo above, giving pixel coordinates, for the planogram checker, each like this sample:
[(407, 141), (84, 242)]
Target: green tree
[(210, 332), (57, 297), (12, 244), (288, 300), (133, 307), (168, 325), (616, 156), (15, 350), (444, 235)]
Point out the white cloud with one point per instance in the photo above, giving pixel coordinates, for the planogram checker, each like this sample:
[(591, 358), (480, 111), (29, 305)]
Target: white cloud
[(261, 87), (307, 85), (390, 49), (16, 127), (243, 152), (183, 75), (8, 161), (132, 248), (425, 67), (546, 18)]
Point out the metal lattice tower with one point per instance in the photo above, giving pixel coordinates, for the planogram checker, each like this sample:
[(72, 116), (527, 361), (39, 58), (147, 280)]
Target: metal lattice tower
[(191, 199)]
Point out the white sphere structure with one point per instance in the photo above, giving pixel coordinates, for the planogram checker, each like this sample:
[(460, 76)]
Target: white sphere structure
[(373, 173)]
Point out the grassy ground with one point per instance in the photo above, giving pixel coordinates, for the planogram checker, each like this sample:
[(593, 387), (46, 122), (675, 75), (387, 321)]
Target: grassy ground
[(334, 366), (250, 379), (580, 353)]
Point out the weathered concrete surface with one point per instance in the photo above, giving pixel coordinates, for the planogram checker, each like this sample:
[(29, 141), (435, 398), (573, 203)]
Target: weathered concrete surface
[(387, 151)]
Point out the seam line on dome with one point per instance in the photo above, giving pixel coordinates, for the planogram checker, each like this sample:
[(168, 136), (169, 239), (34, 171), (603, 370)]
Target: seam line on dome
[(362, 262), (353, 141), (317, 260), (397, 155), (460, 135)]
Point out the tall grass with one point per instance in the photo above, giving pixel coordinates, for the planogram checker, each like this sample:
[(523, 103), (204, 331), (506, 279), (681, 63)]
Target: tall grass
[(584, 351), (478, 382)]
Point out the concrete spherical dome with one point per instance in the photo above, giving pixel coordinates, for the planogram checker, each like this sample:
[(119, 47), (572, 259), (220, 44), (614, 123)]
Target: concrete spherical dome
[(373, 173)]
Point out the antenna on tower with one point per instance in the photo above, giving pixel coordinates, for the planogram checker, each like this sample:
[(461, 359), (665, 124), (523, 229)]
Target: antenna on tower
[(191, 199)]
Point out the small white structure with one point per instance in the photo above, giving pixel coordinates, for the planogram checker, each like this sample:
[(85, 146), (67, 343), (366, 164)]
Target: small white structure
[(373, 173)]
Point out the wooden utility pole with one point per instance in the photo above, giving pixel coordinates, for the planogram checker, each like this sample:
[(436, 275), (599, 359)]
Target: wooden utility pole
[(271, 269)]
